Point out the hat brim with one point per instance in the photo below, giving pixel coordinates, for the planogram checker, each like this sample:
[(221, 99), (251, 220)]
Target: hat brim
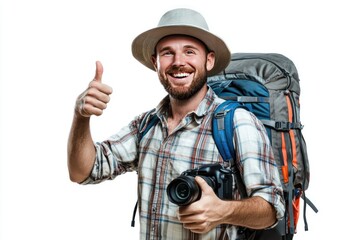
[(143, 46)]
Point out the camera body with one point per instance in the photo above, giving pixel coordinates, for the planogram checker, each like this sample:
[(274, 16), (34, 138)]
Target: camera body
[(184, 190)]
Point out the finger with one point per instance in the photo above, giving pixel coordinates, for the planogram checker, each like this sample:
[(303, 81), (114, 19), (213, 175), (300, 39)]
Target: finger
[(203, 184), (99, 91), (89, 103), (90, 106), (196, 227), (88, 110), (99, 71), (95, 103)]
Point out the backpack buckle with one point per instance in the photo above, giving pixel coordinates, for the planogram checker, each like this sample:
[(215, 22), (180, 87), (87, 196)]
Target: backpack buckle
[(286, 126), (282, 126), (221, 114)]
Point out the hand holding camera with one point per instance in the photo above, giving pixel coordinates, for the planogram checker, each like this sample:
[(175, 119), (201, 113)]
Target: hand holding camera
[(184, 190)]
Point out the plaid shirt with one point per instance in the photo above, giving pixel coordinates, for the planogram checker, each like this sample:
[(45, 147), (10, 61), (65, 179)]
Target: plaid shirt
[(159, 158)]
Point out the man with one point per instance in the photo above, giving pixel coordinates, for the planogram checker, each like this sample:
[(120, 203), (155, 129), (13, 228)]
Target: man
[(183, 53)]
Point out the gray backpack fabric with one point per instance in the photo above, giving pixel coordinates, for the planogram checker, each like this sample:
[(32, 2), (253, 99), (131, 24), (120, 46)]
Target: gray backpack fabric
[(268, 85)]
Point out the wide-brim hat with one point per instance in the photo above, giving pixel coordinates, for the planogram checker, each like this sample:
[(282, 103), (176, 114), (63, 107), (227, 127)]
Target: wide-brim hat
[(185, 22)]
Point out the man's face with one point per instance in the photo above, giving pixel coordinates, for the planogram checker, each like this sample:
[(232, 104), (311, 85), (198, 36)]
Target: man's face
[(182, 63)]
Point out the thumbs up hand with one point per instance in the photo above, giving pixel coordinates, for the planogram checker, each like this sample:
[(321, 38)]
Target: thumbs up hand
[(95, 98)]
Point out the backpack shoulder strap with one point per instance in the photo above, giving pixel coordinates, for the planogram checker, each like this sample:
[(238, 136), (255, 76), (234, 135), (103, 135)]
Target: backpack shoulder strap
[(150, 119), (223, 134), (223, 129)]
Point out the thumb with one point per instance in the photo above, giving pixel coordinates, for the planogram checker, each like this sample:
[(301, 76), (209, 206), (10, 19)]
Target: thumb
[(203, 185), (99, 71)]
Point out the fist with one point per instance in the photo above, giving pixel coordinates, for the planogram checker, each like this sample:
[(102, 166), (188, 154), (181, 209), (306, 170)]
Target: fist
[(96, 97)]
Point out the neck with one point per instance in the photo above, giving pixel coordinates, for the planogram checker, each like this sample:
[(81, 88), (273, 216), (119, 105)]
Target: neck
[(180, 108)]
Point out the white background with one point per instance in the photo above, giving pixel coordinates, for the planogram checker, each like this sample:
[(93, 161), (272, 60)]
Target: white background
[(48, 53)]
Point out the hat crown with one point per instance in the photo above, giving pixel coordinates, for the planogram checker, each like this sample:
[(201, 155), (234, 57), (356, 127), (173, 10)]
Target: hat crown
[(184, 17)]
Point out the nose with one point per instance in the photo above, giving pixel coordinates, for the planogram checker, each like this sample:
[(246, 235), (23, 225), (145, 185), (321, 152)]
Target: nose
[(179, 59)]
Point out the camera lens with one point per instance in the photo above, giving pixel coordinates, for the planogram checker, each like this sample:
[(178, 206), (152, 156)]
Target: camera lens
[(183, 190)]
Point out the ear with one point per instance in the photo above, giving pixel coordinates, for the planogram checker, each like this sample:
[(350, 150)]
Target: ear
[(210, 61), (154, 62)]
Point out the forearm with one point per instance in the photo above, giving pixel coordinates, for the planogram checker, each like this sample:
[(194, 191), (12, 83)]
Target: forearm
[(80, 149), (254, 213)]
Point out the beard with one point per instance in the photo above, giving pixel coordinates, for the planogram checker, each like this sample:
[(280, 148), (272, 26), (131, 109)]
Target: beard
[(184, 93)]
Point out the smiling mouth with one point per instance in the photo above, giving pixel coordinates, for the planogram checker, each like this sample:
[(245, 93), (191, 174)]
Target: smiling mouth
[(180, 75)]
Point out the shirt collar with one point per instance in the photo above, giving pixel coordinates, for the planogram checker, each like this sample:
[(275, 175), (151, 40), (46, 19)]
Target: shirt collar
[(204, 107)]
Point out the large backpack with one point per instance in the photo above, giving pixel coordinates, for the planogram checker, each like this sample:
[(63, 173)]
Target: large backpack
[(267, 84)]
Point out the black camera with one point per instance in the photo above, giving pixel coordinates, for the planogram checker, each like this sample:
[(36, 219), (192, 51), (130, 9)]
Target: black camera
[(184, 190)]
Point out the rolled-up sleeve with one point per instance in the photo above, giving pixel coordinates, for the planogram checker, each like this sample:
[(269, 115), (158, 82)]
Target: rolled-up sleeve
[(257, 164), (114, 156)]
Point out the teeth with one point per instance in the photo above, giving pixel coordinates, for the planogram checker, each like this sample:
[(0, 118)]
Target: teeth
[(181, 74)]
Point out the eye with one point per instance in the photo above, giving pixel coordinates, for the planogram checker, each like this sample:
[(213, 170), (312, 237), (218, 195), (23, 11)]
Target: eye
[(190, 51), (166, 53)]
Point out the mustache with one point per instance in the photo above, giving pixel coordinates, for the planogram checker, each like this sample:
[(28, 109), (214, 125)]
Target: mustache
[(177, 69)]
